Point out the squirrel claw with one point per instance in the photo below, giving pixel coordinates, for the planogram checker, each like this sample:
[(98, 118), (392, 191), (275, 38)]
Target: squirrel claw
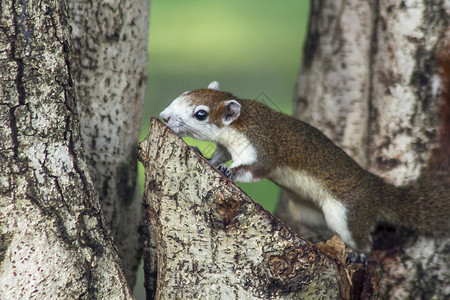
[(356, 258), (225, 170)]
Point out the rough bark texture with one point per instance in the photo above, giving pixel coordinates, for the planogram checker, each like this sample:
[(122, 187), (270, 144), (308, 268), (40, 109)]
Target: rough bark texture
[(333, 87), (54, 242), (214, 242), (406, 88), (440, 157), (371, 83), (373, 79), (109, 43)]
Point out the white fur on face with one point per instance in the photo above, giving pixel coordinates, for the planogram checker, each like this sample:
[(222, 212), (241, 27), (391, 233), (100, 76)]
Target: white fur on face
[(179, 117)]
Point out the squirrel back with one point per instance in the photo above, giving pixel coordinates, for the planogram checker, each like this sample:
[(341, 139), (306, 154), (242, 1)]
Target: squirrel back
[(264, 143)]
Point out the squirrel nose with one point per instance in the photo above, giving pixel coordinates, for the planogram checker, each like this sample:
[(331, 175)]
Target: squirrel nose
[(165, 117)]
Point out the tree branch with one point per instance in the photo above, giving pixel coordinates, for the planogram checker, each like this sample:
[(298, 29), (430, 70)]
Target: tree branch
[(54, 242), (213, 241), (108, 59)]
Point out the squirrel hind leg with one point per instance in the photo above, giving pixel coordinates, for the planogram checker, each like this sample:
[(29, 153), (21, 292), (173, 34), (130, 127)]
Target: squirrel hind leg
[(361, 235), (353, 225), (346, 225)]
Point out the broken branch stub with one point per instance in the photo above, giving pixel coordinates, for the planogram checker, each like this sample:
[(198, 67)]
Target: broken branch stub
[(214, 242)]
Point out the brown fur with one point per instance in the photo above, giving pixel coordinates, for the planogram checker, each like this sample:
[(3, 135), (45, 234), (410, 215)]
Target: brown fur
[(281, 140)]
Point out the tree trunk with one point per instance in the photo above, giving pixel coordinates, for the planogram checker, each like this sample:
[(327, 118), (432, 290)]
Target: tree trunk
[(214, 242), (54, 242), (373, 79), (109, 59)]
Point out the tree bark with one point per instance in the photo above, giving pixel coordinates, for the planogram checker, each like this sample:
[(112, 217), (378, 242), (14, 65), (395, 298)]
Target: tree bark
[(373, 79), (333, 86), (109, 59), (54, 242), (214, 242)]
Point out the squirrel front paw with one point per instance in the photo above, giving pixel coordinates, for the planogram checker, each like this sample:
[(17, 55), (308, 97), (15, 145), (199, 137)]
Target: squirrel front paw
[(225, 170), (356, 258)]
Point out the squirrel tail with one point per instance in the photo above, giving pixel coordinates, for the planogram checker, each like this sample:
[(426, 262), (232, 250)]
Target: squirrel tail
[(427, 203)]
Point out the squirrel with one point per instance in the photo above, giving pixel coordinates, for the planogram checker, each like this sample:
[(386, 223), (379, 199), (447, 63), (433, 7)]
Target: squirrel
[(299, 158)]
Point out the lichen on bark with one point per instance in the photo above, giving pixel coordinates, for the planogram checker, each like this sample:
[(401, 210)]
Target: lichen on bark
[(109, 59), (54, 241), (375, 80), (214, 242)]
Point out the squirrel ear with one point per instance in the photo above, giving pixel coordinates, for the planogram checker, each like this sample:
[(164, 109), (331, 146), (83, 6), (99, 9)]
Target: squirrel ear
[(214, 85), (232, 112)]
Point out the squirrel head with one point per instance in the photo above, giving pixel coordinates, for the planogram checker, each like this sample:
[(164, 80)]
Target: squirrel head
[(203, 113)]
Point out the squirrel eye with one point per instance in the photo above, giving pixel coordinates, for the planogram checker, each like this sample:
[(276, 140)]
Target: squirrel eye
[(201, 115)]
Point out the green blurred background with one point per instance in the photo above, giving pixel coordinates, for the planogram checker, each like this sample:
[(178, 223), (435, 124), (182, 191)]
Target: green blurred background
[(253, 48)]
